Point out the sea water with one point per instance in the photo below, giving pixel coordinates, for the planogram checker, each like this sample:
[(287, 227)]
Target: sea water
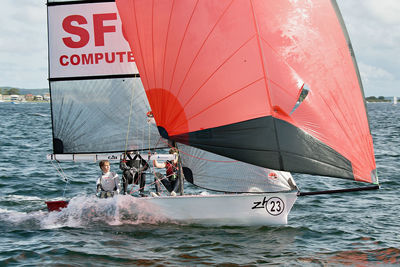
[(358, 228)]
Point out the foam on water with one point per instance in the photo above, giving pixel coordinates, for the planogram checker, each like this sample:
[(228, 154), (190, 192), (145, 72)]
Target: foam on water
[(119, 210), (40, 114), (84, 211), (8, 216)]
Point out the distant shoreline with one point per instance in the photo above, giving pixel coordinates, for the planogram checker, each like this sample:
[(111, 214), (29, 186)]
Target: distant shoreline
[(45, 91), (373, 99), (25, 101)]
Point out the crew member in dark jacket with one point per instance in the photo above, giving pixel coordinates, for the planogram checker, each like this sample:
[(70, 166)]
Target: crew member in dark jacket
[(133, 169)]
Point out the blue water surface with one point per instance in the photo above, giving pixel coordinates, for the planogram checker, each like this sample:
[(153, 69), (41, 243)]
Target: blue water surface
[(358, 228)]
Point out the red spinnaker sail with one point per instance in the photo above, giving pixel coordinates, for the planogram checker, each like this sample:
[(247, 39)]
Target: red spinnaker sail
[(225, 76)]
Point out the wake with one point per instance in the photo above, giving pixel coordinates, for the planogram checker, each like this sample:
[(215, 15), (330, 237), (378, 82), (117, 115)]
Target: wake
[(86, 211)]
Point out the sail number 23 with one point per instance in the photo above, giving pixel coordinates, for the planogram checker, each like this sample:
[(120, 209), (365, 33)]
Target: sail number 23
[(273, 205)]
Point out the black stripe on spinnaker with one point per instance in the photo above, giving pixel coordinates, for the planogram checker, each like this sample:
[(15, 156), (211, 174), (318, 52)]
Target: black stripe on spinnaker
[(255, 141)]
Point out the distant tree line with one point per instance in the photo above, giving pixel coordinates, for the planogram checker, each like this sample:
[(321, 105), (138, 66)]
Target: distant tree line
[(374, 99), (9, 91)]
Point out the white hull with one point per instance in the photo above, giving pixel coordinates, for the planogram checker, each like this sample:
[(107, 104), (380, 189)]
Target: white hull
[(229, 209)]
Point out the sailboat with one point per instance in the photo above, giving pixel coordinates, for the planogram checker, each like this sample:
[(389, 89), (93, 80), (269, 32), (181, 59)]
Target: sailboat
[(247, 90), (395, 100)]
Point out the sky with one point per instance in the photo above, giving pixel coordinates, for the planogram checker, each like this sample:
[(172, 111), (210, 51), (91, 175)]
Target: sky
[(373, 26)]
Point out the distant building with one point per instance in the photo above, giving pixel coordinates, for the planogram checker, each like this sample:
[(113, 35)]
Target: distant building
[(46, 97), (14, 97), (38, 97), (29, 97)]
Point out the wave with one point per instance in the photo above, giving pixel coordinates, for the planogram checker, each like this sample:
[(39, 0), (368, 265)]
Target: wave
[(86, 211), (384, 256), (39, 114), (20, 198)]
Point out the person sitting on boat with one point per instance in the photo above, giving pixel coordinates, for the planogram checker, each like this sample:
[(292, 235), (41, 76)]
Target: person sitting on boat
[(108, 183), (170, 181), (133, 171)]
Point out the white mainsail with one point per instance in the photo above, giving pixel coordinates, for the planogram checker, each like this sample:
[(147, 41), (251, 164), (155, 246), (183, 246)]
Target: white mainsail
[(97, 98)]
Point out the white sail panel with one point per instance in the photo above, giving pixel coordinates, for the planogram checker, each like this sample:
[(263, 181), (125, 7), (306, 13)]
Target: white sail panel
[(215, 172), (87, 40), (97, 116)]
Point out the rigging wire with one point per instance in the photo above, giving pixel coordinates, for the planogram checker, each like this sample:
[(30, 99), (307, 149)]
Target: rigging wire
[(143, 136), (129, 120), (148, 185), (62, 174), (199, 158), (149, 133)]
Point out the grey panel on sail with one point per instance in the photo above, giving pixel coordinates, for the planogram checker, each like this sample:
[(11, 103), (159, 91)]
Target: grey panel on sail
[(304, 153), (271, 143), (219, 173), (101, 115), (250, 141)]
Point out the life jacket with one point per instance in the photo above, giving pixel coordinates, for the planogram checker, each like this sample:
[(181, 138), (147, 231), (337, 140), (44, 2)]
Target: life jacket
[(113, 175), (171, 170)]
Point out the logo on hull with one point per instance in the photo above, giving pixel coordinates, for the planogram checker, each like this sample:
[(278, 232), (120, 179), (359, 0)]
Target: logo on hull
[(274, 205)]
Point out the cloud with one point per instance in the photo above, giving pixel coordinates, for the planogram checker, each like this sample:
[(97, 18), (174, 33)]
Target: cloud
[(373, 26), (379, 81), (386, 11), (375, 73), (23, 46), (374, 29)]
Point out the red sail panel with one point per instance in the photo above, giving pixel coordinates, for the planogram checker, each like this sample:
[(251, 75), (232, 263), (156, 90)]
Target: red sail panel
[(195, 58), (211, 64), (315, 46)]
